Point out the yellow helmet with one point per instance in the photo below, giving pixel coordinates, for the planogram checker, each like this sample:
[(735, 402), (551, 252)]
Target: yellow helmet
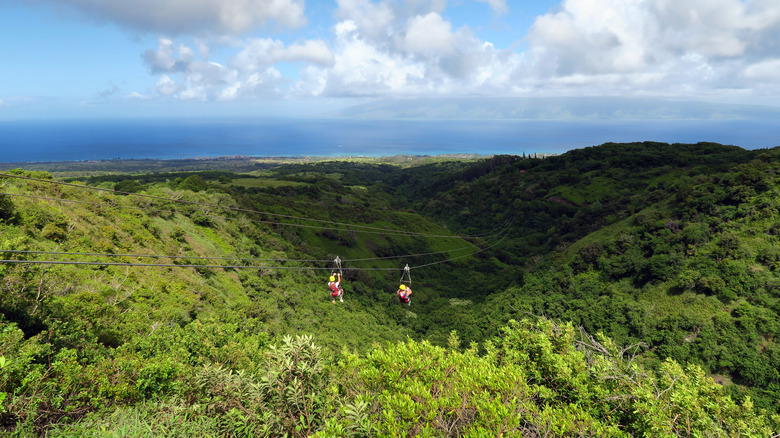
[(403, 287), (332, 278)]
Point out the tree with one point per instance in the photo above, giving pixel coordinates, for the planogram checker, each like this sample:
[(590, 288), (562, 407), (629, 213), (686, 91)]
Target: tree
[(193, 182), (7, 210), (128, 186)]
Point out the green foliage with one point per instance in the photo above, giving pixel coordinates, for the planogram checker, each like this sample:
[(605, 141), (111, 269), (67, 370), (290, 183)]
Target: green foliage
[(7, 210), (128, 186), (53, 232), (537, 378), (169, 419), (2, 394), (672, 247), (293, 387), (194, 183)]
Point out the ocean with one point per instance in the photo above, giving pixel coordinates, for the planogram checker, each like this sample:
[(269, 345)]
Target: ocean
[(22, 141)]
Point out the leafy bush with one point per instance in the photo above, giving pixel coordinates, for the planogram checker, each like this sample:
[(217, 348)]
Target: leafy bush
[(194, 183), (128, 186), (682, 259), (538, 378), (7, 210)]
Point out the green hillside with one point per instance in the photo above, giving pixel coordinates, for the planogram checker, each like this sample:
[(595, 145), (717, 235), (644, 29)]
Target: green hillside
[(673, 246), (619, 290)]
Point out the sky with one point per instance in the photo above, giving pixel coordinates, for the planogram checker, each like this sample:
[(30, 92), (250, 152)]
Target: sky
[(117, 58)]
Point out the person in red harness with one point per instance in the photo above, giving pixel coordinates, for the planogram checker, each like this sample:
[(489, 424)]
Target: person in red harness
[(403, 294), (335, 287)]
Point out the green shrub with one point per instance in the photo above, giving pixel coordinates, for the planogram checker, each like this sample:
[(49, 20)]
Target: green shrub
[(7, 210), (53, 232), (195, 183), (128, 186)]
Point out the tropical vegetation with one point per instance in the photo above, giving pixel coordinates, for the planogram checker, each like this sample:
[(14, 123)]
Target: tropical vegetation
[(618, 290)]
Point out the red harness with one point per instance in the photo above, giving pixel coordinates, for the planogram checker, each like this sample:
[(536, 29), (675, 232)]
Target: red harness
[(334, 290)]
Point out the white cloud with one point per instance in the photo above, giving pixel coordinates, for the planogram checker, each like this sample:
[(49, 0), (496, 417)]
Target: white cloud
[(764, 70), (191, 16), (498, 6), (651, 46), (315, 52), (251, 73), (262, 52), (593, 36), (165, 58), (405, 48), (361, 68), (374, 20), (113, 90), (410, 8), (711, 28), (409, 48), (167, 87), (429, 34), (135, 96)]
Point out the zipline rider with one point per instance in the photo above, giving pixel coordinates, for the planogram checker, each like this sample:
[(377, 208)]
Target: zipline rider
[(335, 287), (403, 294)]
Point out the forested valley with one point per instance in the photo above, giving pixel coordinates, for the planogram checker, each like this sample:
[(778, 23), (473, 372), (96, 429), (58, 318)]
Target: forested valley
[(617, 290)]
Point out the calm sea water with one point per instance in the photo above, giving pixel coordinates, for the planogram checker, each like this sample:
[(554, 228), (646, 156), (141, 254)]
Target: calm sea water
[(169, 139)]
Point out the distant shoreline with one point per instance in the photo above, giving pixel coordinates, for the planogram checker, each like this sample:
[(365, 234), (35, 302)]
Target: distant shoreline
[(137, 141), (279, 158), (235, 163)]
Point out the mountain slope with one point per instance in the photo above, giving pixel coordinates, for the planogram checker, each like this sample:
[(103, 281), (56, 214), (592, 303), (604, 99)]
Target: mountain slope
[(673, 246), (670, 248)]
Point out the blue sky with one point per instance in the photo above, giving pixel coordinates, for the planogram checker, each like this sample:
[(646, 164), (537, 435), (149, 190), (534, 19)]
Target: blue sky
[(111, 58)]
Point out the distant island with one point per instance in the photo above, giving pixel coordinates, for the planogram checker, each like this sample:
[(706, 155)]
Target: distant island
[(555, 108)]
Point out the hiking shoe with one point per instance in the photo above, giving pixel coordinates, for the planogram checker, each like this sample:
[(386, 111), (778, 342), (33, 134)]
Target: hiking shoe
[(341, 299)]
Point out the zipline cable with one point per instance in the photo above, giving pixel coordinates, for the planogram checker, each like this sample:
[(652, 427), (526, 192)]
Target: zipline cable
[(225, 207), (407, 269), (428, 253), (173, 265), (460, 257), (247, 259), (319, 227), (406, 272)]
